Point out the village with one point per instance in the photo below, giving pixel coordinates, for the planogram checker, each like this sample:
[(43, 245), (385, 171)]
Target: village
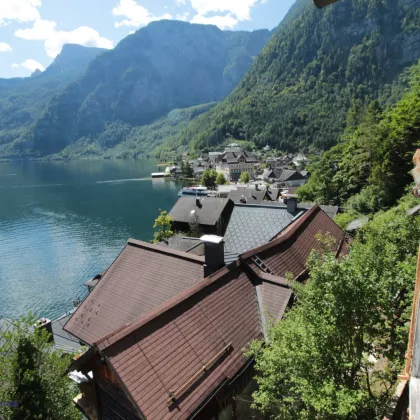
[(241, 175)]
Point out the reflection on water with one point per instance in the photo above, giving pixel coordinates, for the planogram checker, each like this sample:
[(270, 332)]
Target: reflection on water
[(62, 223)]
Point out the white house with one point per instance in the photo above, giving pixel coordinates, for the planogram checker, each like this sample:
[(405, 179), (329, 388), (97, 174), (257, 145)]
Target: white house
[(233, 163)]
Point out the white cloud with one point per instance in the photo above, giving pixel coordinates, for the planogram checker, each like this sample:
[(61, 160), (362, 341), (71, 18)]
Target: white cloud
[(240, 9), (183, 17), (19, 11), (4, 47), (83, 35), (41, 30), (29, 64), (223, 22), (180, 2), (136, 15), (45, 30)]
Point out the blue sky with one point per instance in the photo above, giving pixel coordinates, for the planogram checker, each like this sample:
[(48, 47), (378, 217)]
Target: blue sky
[(32, 32)]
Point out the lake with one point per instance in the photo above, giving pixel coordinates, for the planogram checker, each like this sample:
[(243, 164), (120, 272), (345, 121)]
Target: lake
[(63, 222)]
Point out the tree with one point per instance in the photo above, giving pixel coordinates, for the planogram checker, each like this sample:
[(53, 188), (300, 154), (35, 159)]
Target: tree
[(33, 380), (221, 180), (245, 178), (163, 227), (209, 178), (186, 170), (317, 361)]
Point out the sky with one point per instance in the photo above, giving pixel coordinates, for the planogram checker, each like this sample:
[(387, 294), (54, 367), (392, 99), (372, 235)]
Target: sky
[(32, 32)]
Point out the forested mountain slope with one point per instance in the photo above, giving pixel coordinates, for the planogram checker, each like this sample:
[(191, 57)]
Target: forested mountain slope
[(23, 99), (164, 66), (370, 169), (299, 90)]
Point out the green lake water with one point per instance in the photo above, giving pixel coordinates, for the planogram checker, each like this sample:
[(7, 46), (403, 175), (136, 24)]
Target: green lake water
[(63, 222)]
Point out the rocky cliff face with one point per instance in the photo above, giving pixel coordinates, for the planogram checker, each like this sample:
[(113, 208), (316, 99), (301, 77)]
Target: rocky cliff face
[(318, 64), (166, 65)]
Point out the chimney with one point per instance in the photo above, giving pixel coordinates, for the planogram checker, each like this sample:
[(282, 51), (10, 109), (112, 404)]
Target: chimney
[(292, 202), (214, 253), (45, 323), (197, 202)]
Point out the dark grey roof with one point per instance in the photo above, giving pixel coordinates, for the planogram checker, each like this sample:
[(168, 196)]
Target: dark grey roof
[(185, 244), (287, 174), (273, 193), (250, 194), (330, 210), (208, 211), (233, 157), (251, 226), (63, 340)]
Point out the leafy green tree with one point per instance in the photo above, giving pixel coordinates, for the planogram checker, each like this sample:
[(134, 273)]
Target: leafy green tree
[(244, 178), (163, 227), (209, 178), (188, 170), (373, 163), (33, 380), (317, 362), (221, 179)]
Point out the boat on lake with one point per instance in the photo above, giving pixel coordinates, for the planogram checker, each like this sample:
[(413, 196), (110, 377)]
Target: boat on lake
[(194, 191)]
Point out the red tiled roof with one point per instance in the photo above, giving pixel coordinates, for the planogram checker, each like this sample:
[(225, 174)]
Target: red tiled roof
[(165, 350), (140, 279), (290, 251)]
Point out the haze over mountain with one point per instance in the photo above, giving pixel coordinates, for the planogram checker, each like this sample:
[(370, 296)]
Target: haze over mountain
[(162, 67), (317, 64), (23, 99)]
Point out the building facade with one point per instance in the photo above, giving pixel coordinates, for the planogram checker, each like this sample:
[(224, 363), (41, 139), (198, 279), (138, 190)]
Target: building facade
[(234, 161)]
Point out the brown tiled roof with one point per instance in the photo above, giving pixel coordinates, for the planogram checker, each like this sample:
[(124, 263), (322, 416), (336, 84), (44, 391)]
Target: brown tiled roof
[(167, 349), (290, 251), (275, 295), (141, 278)]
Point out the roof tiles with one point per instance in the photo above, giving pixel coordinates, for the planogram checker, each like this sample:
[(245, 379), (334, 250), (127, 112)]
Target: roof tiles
[(141, 278), (164, 354), (208, 210), (290, 251)]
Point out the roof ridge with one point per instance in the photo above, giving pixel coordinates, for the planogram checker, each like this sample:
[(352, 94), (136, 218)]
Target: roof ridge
[(166, 250), (141, 321), (294, 228)]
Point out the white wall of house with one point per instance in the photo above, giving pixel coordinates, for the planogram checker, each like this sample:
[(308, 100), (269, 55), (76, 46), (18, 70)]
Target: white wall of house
[(234, 170)]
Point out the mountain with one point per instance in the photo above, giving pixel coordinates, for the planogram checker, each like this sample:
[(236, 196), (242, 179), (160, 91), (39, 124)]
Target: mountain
[(73, 60), (23, 99), (120, 140), (317, 64), (165, 66)]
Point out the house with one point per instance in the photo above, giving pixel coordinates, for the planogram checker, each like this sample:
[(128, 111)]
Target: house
[(248, 194), (211, 214), (234, 161), (167, 345), (289, 178), (251, 225), (268, 175), (224, 190), (300, 159)]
